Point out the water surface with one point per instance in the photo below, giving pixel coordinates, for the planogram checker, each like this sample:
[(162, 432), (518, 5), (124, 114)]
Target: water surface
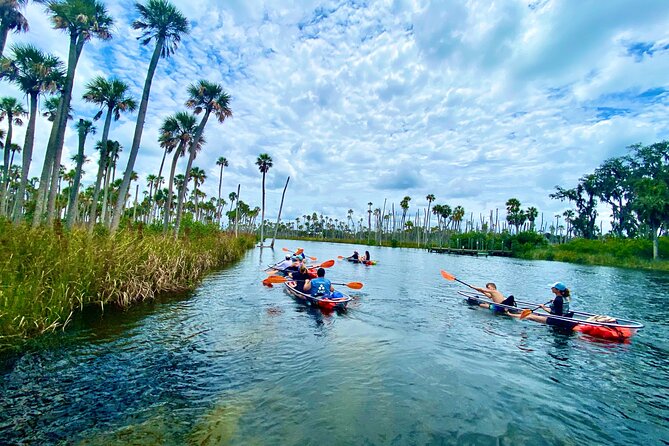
[(409, 363)]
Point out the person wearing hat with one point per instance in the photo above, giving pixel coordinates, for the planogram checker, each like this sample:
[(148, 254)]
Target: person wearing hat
[(354, 257), (294, 266), (559, 306)]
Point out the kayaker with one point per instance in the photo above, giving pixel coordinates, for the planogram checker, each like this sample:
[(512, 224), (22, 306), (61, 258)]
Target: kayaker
[(320, 286), (294, 266), (300, 277), (558, 307), (365, 258), (492, 293), (355, 256), (283, 264)]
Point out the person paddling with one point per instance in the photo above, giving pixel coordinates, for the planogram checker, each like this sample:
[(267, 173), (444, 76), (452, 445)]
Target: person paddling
[(355, 256), (300, 277), (320, 286), (558, 307), (492, 293)]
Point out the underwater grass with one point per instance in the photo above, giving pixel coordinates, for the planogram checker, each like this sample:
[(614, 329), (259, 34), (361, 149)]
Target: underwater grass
[(47, 274)]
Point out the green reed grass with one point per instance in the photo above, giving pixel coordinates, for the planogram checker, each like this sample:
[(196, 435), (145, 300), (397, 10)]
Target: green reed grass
[(46, 274)]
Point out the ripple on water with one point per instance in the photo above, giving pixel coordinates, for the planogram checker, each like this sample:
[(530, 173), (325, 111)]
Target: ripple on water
[(409, 363)]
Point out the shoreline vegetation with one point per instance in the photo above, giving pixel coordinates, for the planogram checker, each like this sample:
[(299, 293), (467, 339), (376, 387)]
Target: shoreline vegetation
[(48, 274), (605, 251)]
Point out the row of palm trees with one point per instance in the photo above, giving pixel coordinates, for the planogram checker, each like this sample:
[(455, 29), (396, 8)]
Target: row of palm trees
[(38, 74)]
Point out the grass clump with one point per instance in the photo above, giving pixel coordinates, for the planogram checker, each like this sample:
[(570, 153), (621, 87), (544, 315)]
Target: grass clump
[(47, 274)]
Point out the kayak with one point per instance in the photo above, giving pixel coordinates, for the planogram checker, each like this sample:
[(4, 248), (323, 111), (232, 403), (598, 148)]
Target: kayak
[(597, 326), (338, 300), (364, 262)]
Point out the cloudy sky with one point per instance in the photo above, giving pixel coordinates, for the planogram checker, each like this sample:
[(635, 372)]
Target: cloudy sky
[(360, 101)]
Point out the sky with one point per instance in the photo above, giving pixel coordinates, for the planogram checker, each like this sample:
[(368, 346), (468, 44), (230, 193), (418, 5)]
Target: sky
[(472, 101)]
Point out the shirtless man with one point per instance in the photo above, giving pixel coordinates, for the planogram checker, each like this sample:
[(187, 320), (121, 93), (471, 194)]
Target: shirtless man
[(491, 292)]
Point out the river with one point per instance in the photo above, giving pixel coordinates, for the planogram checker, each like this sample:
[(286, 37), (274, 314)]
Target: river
[(409, 363)]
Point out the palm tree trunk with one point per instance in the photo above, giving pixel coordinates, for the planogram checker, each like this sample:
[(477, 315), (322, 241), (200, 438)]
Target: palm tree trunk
[(102, 167), (154, 205), (237, 213), (4, 32), (168, 200), (105, 193), (74, 192), (262, 217), (191, 157), (278, 218), (218, 203), (5, 170), (137, 138), (17, 213), (76, 48)]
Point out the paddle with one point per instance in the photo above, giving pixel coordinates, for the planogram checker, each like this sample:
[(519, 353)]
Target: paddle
[(326, 264), (298, 252), (278, 279), (526, 312), (448, 276)]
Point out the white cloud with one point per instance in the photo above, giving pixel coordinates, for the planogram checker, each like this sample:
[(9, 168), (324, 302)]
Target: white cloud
[(475, 102)]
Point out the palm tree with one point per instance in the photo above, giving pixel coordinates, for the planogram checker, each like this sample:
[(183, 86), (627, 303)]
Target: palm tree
[(113, 149), (11, 109), (35, 73), (81, 20), (430, 198), (198, 175), (223, 163), (264, 162), (531, 215), (456, 216), (84, 128), (209, 98), (50, 108), (177, 132), (11, 19), (163, 22), (110, 95)]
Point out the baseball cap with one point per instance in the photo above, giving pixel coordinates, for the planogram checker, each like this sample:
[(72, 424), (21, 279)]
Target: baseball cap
[(559, 286)]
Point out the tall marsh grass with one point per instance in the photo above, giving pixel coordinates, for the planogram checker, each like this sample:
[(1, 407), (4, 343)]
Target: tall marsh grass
[(47, 274)]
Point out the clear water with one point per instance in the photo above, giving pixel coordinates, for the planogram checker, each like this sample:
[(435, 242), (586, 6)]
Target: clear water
[(409, 363)]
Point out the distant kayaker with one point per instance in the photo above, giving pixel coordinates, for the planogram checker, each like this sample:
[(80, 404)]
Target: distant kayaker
[(492, 293), (320, 286), (355, 256), (300, 277), (558, 307), (365, 258)]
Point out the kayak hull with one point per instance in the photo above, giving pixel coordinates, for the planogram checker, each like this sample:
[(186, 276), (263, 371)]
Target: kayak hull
[(324, 303)]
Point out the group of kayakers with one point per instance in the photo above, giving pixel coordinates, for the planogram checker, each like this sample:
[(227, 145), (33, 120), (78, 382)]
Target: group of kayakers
[(295, 267), (364, 258)]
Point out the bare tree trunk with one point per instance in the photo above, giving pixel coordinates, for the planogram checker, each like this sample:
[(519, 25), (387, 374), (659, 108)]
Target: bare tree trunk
[(278, 218), (17, 213)]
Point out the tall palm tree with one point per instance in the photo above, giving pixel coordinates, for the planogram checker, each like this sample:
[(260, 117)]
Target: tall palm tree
[(11, 109), (81, 20), (11, 19), (163, 22), (177, 133), (35, 73), (113, 149), (430, 198), (209, 98), (84, 128), (532, 213), (264, 162), (223, 163), (198, 175), (110, 95)]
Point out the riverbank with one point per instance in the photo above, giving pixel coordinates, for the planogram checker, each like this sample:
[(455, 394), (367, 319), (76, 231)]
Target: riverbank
[(621, 253), (46, 274)]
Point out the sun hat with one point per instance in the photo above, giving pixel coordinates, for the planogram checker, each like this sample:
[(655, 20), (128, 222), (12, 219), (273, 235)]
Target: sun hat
[(558, 286)]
